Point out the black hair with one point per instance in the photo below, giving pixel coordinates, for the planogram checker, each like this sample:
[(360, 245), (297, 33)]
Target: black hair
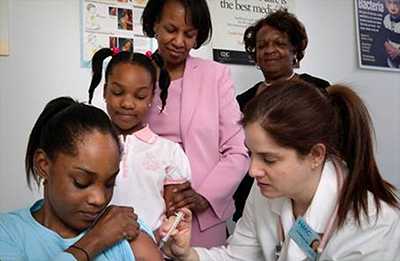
[(284, 22), (196, 9), (134, 59), (59, 126)]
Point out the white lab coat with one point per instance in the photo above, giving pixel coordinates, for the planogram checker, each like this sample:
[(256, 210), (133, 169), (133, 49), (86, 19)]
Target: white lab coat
[(256, 233)]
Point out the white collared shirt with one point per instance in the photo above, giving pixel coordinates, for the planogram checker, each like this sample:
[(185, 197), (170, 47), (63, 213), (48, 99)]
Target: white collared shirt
[(256, 233), (148, 163)]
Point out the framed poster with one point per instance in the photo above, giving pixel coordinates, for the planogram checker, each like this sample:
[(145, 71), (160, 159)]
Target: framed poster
[(4, 45), (230, 20), (378, 34), (112, 24)]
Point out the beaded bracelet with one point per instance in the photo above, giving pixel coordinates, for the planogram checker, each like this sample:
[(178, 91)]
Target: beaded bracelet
[(82, 250)]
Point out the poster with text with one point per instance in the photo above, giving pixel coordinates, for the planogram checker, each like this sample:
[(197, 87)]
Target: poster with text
[(112, 24), (378, 34), (230, 20)]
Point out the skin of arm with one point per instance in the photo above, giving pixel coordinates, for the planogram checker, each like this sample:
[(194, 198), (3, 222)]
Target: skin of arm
[(145, 249)]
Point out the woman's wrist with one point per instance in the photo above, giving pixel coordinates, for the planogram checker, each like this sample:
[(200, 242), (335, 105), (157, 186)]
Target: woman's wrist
[(79, 253), (90, 246), (190, 256)]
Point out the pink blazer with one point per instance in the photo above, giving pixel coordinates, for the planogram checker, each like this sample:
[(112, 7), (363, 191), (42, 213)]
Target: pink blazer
[(212, 137)]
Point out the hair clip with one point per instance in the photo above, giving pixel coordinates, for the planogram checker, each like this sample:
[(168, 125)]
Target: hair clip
[(115, 50), (149, 53)]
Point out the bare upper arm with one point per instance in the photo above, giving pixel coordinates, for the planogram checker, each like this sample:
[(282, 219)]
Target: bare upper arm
[(144, 248)]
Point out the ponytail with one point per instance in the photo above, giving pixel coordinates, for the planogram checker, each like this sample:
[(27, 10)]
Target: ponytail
[(356, 134), (52, 108), (298, 115), (164, 79), (131, 58), (97, 69), (59, 127)]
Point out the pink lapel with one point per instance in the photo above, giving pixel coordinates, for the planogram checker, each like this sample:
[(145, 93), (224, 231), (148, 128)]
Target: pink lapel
[(190, 94)]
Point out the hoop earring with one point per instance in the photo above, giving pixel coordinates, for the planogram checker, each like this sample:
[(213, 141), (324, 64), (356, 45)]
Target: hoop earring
[(156, 35), (258, 67)]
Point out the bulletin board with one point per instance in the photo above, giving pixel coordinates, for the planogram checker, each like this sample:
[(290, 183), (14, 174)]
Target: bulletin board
[(113, 24)]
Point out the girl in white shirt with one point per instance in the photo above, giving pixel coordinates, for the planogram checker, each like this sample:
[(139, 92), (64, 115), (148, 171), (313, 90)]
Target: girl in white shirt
[(149, 162), (318, 185)]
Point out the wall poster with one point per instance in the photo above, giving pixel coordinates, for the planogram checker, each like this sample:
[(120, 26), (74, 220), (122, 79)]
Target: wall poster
[(113, 24), (378, 34), (230, 20)]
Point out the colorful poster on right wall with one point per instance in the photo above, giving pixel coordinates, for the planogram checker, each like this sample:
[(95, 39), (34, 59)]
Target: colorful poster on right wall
[(378, 34)]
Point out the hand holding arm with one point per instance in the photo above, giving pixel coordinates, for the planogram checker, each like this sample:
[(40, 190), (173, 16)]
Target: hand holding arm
[(115, 224), (183, 196)]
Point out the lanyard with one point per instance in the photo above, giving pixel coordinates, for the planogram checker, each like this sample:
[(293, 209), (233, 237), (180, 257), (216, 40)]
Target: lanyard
[(331, 222)]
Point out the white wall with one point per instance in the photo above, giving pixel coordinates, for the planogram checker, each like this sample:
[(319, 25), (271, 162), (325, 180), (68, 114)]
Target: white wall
[(44, 63)]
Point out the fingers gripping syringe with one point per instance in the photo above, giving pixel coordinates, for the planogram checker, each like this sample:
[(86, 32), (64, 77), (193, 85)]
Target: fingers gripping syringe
[(179, 216)]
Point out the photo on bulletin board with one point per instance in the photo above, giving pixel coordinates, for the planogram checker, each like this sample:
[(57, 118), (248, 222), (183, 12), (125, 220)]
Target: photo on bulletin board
[(111, 24), (4, 45), (125, 44), (230, 20), (141, 3), (378, 34), (125, 20)]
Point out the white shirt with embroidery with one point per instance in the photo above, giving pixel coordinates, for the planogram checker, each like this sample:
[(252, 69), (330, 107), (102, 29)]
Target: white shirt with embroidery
[(148, 163)]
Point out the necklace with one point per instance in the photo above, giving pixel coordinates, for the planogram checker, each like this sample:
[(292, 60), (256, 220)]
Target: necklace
[(288, 78)]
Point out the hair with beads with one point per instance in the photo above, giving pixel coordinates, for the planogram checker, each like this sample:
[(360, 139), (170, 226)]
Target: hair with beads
[(126, 57)]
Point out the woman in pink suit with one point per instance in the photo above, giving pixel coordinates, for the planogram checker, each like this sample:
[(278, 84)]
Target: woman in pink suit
[(201, 115)]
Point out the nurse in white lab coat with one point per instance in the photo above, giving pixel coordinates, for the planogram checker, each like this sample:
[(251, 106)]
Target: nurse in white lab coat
[(312, 157)]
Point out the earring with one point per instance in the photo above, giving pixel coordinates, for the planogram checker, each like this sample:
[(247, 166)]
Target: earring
[(156, 35), (258, 67), (149, 105), (295, 61), (314, 166)]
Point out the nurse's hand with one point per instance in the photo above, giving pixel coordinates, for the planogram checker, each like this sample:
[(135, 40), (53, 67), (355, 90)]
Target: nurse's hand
[(178, 245)]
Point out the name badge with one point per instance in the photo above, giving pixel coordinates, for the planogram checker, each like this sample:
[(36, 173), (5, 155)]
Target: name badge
[(305, 237)]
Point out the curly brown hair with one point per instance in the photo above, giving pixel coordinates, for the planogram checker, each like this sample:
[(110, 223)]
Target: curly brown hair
[(284, 22)]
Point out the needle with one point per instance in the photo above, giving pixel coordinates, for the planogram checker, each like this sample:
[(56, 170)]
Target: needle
[(178, 219)]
